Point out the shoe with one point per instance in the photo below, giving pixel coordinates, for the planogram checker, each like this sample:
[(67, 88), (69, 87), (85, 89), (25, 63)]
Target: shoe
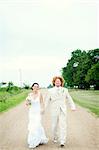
[(31, 146), (55, 140), (62, 144)]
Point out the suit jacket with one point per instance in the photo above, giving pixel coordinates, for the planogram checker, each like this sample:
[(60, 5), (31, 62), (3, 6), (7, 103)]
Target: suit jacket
[(58, 98)]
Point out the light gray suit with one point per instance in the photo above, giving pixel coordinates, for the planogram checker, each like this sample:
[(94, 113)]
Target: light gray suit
[(58, 98)]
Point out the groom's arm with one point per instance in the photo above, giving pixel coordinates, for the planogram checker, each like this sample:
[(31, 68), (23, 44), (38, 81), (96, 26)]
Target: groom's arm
[(70, 100)]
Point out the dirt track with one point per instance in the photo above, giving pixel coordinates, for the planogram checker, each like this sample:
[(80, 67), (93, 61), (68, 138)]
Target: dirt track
[(83, 130)]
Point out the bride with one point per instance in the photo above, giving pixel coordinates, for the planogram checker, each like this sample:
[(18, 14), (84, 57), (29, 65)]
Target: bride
[(36, 133)]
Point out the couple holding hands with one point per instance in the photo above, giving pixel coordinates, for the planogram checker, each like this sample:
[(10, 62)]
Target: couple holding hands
[(57, 96)]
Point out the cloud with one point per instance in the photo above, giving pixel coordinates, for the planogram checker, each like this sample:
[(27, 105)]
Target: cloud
[(33, 68), (31, 62), (36, 35)]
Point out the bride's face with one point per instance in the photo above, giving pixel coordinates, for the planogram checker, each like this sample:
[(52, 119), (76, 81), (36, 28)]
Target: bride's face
[(35, 87)]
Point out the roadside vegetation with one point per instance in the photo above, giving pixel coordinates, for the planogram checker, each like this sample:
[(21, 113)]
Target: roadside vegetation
[(87, 98)]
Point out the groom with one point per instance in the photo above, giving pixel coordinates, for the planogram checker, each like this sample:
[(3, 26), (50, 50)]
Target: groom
[(58, 97)]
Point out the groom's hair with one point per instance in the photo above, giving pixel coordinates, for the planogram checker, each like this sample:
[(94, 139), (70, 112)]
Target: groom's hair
[(60, 78)]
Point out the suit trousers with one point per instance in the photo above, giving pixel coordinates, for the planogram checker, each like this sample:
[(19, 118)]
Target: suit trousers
[(59, 126)]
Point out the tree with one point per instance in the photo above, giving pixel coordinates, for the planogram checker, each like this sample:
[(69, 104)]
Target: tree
[(77, 68), (26, 86), (50, 86), (69, 71), (81, 71), (92, 76), (10, 86)]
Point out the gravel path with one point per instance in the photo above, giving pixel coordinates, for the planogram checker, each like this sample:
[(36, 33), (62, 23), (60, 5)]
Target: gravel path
[(83, 130)]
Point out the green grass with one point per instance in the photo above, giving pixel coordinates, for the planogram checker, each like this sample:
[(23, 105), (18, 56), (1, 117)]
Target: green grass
[(12, 100), (87, 98)]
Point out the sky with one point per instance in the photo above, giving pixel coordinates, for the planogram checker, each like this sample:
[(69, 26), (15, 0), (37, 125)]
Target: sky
[(38, 36)]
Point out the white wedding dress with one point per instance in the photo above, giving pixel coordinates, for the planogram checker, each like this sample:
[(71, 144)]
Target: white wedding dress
[(36, 133)]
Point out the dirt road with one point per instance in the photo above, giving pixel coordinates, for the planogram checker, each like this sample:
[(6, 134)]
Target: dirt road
[(83, 130)]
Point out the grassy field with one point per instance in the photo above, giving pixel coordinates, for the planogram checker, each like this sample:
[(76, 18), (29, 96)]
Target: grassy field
[(87, 98), (8, 100)]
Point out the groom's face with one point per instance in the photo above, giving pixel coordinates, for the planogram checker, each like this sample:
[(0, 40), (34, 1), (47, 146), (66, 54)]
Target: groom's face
[(58, 82)]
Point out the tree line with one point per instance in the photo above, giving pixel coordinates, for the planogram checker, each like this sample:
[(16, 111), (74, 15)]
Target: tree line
[(82, 69)]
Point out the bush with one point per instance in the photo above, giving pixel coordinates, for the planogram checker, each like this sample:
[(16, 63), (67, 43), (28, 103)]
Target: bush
[(26, 86)]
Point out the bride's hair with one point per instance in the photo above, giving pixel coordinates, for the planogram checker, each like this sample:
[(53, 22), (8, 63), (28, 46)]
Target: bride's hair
[(60, 78), (34, 84)]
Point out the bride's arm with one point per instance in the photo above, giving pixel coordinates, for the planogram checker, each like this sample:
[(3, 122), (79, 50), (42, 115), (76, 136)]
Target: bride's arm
[(28, 100)]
